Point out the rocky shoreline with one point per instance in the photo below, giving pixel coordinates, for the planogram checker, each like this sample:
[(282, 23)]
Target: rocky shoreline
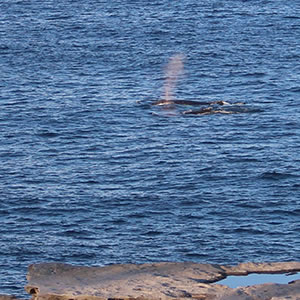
[(165, 280)]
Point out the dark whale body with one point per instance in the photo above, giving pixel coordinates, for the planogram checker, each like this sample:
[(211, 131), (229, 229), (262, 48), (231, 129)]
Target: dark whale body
[(212, 107), (188, 102), (207, 111)]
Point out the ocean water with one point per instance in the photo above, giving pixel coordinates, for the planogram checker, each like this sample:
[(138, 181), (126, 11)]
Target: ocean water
[(91, 174)]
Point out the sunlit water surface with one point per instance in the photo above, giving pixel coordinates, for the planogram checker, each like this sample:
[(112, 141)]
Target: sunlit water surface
[(92, 174), (254, 279)]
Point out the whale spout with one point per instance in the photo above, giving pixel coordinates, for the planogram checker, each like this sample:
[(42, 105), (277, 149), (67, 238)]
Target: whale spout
[(172, 72)]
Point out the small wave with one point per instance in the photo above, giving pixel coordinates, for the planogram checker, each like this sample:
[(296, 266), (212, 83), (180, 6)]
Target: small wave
[(119, 221), (191, 216), (188, 202), (55, 17), (255, 74), (136, 215), (153, 233), (76, 233), (291, 17), (81, 256), (27, 210), (4, 49), (295, 89), (90, 181), (243, 159), (288, 213), (47, 134), (276, 175), (249, 230), (249, 205), (196, 255)]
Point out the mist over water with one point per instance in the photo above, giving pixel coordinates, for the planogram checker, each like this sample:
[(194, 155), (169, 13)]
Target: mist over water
[(89, 175), (172, 72)]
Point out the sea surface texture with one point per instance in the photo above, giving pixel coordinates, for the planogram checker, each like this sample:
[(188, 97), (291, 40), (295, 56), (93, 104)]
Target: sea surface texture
[(92, 174)]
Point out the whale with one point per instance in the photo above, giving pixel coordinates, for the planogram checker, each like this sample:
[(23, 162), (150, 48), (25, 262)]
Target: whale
[(207, 111), (189, 102)]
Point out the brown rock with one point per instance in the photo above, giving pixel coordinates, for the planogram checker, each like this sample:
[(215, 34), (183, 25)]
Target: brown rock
[(270, 268), (7, 297), (55, 281)]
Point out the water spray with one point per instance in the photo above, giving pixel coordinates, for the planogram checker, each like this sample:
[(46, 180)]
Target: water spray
[(173, 70)]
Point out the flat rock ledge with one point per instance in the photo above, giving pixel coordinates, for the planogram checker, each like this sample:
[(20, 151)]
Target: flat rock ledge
[(165, 280)]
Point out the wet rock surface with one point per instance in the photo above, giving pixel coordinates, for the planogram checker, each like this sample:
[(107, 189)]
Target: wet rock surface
[(187, 280)]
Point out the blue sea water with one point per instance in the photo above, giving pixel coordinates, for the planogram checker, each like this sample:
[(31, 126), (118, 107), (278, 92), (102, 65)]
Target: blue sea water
[(91, 175)]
